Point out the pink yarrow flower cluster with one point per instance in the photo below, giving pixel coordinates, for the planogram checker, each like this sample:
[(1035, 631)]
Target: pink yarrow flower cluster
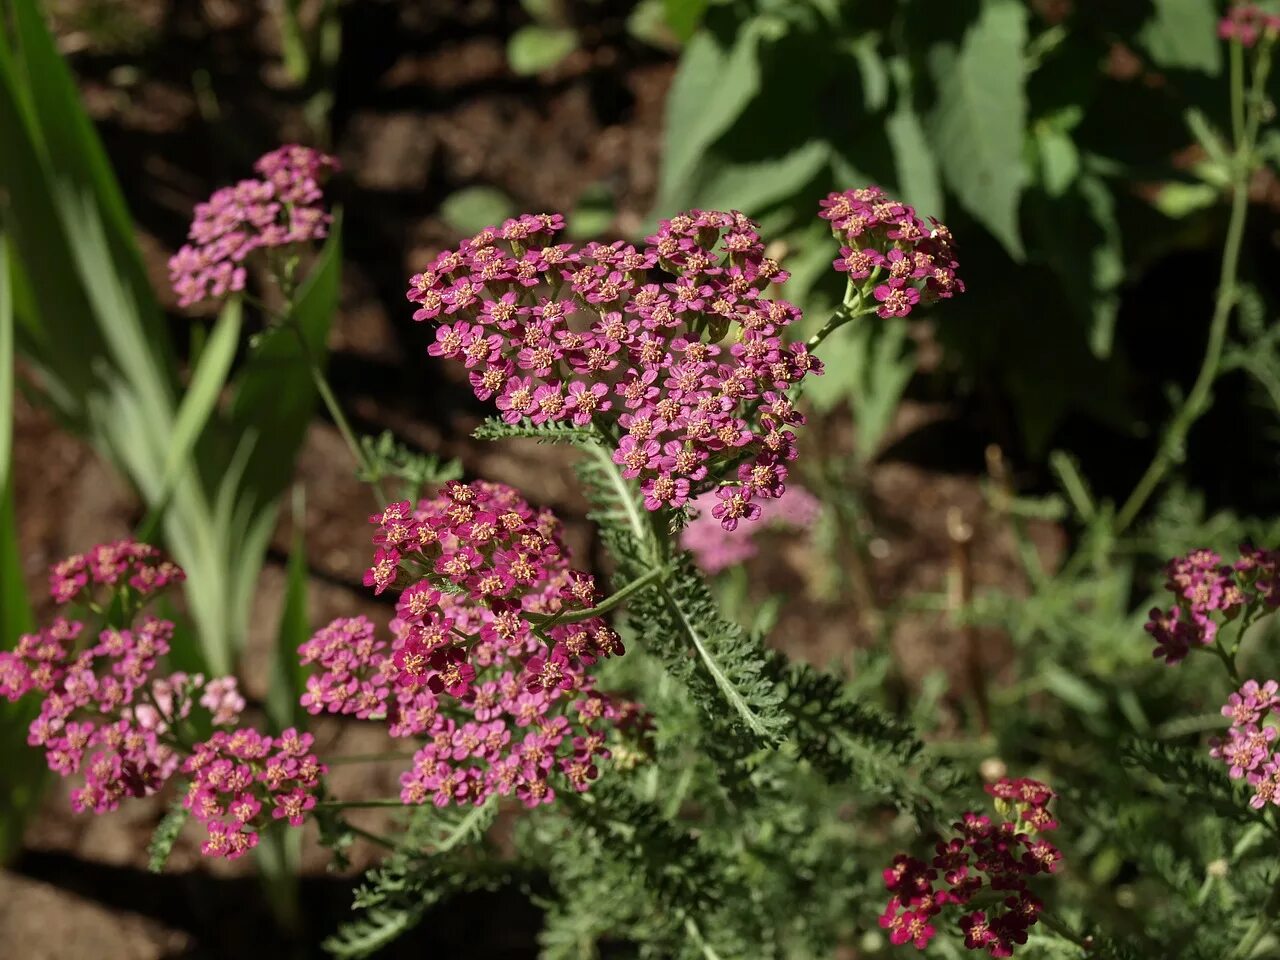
[(503, 707), (105, 712), (1247, 748), (281, 208), (982, 855), (715, 549), (889, 252), (672, 349), (243, 780), (1247, 22), (1206, 591)]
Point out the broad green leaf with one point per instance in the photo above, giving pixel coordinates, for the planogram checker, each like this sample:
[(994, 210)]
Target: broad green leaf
[(1059, 160), (1182, 35), (201, 399), (918, 181), (754, 187), (535, 48), (979, 119), (684, 16), (77, 156), (713, 85), (471, 209), (22, 770), (288, 677)]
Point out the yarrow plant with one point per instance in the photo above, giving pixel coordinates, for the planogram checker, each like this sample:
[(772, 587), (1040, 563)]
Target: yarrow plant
[(982, 862), (276, 212), (672, 366)]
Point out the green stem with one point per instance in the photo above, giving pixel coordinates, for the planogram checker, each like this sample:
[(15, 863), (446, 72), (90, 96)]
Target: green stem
[(604, 606), (1064, 931), (370, 836), (360, 804), (1260, 927), (1198, 400)]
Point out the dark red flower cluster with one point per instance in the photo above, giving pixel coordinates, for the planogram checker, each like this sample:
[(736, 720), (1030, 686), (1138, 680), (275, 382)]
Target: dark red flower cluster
[(673, 347), (998, 858), (889, 252)]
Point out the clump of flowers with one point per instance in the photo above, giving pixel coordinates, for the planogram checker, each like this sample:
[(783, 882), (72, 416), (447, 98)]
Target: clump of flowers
[(243, 779), (982, 856), (716, 548), (1208, 593), (889, 254), (281, 208), (1247, 22), (488, 654), (672, 350), (1246, 750)]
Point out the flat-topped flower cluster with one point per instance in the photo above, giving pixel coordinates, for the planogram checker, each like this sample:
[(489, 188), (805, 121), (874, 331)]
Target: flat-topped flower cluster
[(488, 654), (282, 207), (111, 714), (1247, 22), (982, 855), (1247, 749), (1208, 591), (890, 252), (672, 349)]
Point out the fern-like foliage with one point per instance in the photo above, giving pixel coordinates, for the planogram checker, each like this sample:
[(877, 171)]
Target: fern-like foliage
[(724, 668), (431, 864), (495, 428), (1186, 774), (166, 834), (847, 741)]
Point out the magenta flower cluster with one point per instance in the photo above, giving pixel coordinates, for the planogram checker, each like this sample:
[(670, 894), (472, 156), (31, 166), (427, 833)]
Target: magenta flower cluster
[(672, 349), (488, 652), (243, 779), (889, 253), (104, 713), (282, 207), (1207, 591), (109, 714), (122, 564), (1247, 748), (982, 856), (715, 549), (1247, 22)]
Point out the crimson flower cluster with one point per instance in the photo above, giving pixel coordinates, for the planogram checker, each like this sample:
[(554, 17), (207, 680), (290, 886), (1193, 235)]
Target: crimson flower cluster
[(1207, 590), (488, 651), (672, 349), (981, 856), (1247, 22), (120, 564), (282, 207), (1247, 748), (890, 252)]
